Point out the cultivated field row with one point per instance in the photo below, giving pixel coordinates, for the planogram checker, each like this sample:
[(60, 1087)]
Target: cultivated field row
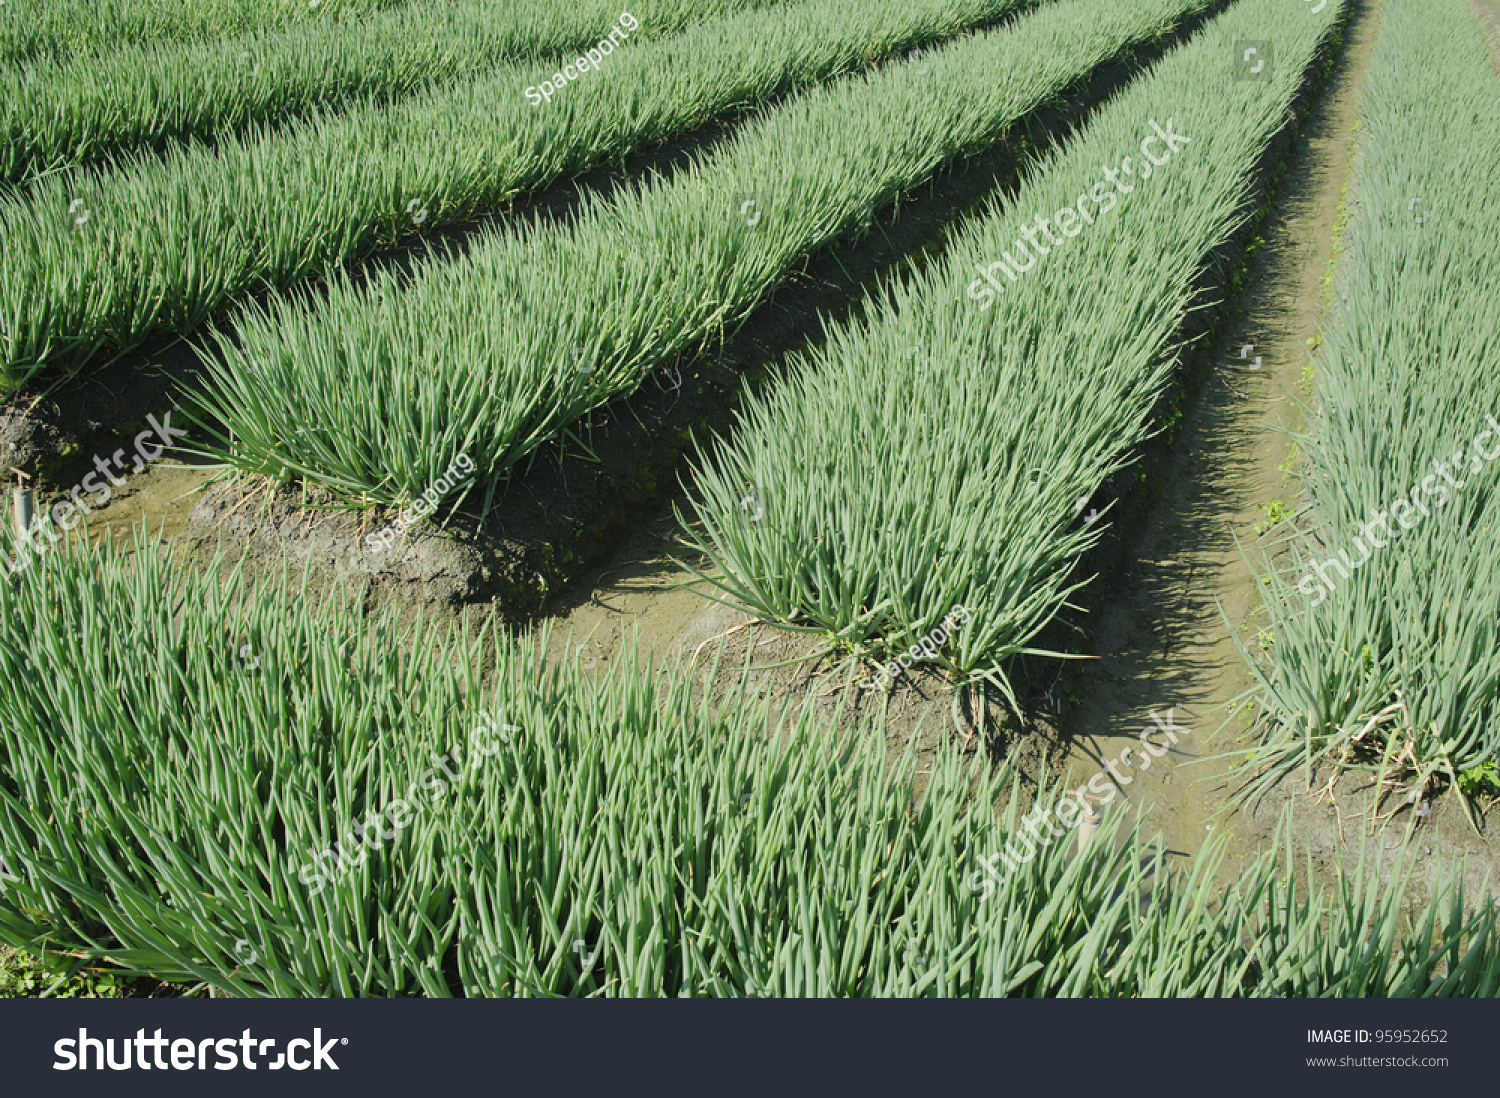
[(235, 790), (56, 29), (1385, 611)]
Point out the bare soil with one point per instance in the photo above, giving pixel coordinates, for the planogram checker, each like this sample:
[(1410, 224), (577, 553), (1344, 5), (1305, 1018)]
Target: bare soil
[(1488, 14)]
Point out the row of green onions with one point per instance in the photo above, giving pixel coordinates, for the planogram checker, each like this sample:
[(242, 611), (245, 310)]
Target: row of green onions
[(176, 742), (1391, 666), (54, 30)]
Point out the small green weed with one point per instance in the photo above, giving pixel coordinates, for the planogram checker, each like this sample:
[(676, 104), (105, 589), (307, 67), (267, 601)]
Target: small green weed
[(1484, 778), (1276, 512), (24, 977)]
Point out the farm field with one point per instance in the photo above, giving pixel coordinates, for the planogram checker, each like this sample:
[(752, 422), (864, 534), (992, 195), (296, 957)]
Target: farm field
[(103, 259), (829, 498)]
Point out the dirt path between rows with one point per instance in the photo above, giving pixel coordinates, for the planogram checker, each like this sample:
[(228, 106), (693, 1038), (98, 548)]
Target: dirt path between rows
[(1161, 640), (1162, 643), (1488, 14)]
